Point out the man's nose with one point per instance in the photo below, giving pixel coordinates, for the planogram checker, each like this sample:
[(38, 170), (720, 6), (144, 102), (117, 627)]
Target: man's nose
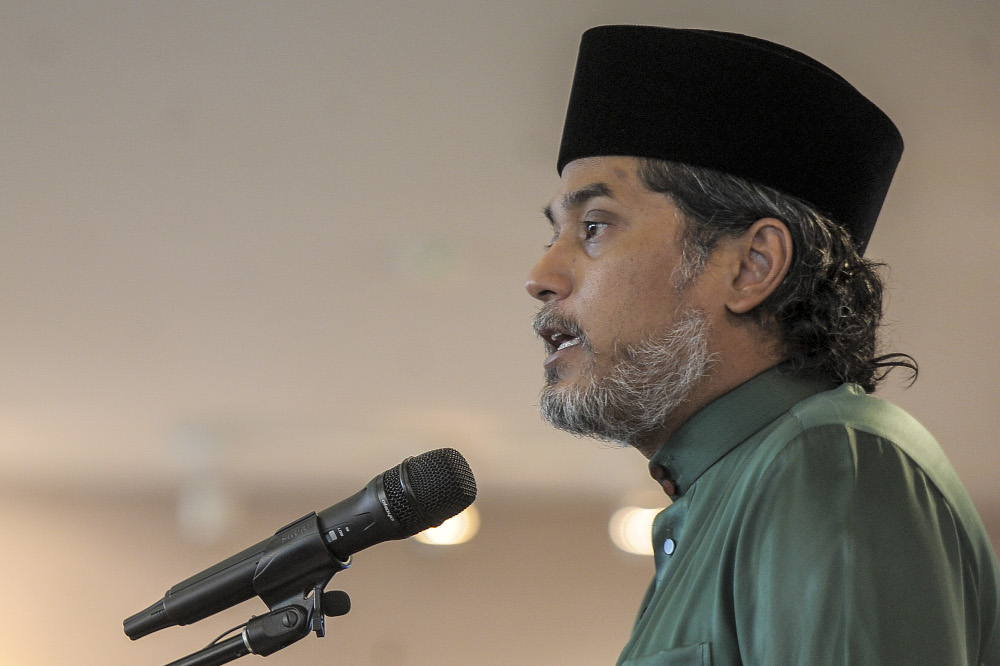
[(550, 279)]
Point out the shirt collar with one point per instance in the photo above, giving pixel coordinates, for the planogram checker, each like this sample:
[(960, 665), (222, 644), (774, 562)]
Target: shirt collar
[(730, 419)]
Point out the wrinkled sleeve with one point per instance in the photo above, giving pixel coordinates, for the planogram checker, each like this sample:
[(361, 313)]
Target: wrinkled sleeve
[(850, 555)]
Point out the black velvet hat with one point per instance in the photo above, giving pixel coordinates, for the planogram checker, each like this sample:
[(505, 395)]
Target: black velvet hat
[(736, 104)]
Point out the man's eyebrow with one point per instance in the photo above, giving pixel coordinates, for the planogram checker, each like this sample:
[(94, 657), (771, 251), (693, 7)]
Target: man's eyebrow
[(579, 197)]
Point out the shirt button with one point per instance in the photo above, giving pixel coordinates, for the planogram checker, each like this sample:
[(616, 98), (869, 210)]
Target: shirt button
[(669, 546)]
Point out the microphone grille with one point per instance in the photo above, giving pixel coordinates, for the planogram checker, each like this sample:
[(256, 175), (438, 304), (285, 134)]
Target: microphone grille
[(442, 486)]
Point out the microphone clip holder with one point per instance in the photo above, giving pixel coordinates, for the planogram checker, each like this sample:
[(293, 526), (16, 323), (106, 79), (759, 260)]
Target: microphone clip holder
[(296, 602)]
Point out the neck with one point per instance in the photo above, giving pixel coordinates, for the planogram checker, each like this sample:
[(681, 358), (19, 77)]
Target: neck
[(735, 363)]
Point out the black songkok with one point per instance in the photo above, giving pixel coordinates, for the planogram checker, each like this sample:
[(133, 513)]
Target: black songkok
[(736, 104)]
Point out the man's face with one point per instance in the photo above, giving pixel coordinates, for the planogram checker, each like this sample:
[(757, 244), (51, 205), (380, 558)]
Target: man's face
[(607, 283)]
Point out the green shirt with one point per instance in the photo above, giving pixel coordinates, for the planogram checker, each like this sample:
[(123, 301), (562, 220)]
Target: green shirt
[(815, 525)]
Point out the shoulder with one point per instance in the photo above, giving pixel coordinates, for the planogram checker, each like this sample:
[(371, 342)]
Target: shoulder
[(854, 513), (844, 464), (849, 406), (871, 439)]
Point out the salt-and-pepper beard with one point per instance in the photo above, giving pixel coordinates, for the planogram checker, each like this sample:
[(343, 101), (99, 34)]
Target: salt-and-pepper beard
[(647, 383)]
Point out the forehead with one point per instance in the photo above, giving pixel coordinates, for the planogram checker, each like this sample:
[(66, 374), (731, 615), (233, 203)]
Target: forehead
[(590, 177), (615, 178), (619, 168)]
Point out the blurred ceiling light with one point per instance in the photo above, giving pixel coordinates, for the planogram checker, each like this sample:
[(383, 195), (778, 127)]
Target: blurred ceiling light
[(631, 529), (455, 530)]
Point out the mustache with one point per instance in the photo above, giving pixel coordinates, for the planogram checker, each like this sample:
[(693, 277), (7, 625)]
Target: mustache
[(547, 319)]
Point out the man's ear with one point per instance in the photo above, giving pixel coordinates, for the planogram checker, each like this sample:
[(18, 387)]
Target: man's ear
[(763, 256)]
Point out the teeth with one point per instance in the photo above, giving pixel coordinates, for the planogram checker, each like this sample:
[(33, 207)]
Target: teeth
[(568, 343)]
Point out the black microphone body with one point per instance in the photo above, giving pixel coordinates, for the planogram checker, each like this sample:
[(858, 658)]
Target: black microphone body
[(420, 492)]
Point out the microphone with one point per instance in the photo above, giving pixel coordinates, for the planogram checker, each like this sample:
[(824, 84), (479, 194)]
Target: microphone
[(421, 492)]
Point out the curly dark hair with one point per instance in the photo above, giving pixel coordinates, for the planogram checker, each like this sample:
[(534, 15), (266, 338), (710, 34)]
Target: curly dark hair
[(828, 310)]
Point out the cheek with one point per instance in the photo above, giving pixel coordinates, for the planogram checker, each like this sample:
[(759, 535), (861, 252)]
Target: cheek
[(627, 303)]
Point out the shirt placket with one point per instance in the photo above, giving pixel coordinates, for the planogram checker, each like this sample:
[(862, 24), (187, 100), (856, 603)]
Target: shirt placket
[(668, 537)]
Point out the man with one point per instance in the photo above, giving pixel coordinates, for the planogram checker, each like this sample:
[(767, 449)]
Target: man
[(706, 301)]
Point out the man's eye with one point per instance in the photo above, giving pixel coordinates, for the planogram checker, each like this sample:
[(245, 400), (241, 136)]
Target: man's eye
[(594, 228)]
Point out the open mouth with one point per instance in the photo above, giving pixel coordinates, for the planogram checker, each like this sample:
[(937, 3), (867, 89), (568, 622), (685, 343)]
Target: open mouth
[(557, 332), (559, 341)]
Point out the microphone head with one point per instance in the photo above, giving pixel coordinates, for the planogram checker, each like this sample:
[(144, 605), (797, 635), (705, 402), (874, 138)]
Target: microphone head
[(423, 491)]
